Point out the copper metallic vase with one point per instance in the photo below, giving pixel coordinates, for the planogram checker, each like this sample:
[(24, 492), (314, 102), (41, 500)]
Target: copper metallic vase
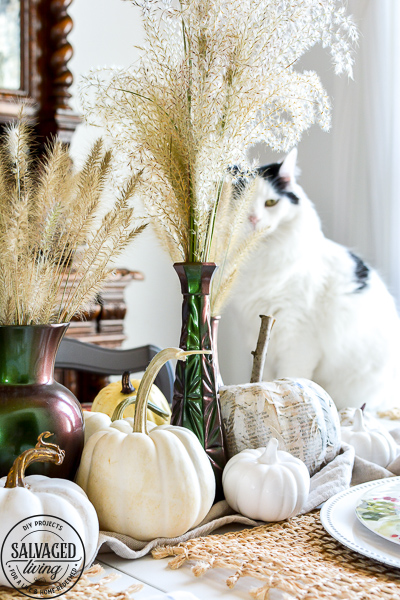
[(32, 402), (196, 402)]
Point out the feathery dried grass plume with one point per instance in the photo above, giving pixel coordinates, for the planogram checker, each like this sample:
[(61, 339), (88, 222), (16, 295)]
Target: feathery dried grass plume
[(231, 244), (214, 77), (52, 229)]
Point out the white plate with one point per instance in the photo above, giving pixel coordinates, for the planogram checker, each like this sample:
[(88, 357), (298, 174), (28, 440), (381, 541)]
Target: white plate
[(339, 518), (379, 510)]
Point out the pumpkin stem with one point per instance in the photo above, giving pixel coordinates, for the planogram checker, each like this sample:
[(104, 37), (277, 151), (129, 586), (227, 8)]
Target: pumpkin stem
[(157, 362), (42, 452), (120, 408), (127, 387), (260, 353), (270, 456), (358, 421)]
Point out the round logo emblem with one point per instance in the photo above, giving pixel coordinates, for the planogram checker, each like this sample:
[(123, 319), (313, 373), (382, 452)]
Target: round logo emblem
[(43, 555)]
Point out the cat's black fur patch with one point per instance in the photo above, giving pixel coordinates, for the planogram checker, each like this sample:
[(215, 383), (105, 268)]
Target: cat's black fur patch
[(271, 174), (292, 197), (268, 172), (361, 272), (241, 179)]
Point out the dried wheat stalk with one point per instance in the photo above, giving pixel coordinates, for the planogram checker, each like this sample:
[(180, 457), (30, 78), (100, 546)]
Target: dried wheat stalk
[(51, 224)]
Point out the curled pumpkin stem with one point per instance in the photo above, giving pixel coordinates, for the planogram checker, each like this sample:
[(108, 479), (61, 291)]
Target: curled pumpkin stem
[(120, 409), (42, 452), (159, 360)]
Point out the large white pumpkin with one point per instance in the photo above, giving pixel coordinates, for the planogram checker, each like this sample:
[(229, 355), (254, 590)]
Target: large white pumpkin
[(297, 412), (148, 484), (23, 497), (97, 421)]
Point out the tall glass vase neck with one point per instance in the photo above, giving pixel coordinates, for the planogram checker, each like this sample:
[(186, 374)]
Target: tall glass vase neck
[(195, 278), (28, 352)]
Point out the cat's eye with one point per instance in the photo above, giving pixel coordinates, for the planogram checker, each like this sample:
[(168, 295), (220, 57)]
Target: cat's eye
[(271, 202)]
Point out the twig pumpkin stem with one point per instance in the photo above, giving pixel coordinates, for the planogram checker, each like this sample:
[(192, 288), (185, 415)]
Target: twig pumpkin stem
[(260, 353)]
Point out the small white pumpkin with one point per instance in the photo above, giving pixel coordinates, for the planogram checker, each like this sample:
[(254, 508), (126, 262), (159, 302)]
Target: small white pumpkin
[(148, 484), (374, 445), (23, 497), (266, 484)]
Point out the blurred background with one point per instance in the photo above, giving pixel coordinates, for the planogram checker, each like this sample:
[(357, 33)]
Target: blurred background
[(351, 174)]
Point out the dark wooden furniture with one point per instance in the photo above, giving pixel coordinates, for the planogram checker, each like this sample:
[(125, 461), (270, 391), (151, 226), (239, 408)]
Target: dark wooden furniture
[(90, 359), (44, 75), (103, 326), (44, 83)]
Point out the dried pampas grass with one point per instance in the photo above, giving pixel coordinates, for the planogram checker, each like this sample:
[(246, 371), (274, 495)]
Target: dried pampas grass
[(51, 226), (232, 244), (213, 78)]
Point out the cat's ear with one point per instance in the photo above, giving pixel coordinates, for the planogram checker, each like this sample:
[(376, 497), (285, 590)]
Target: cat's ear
[(287, 171)]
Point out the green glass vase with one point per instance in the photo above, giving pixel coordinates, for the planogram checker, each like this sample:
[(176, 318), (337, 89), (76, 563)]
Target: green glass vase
[(196, 402), (32, 402)]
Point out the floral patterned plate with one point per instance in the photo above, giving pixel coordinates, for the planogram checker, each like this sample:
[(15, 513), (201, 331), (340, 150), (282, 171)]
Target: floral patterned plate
[(379, 510), (338, 516)]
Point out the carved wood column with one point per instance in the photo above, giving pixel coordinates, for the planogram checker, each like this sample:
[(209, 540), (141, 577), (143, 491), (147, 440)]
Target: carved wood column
[(61, 53), (45, 76), (55, 114)]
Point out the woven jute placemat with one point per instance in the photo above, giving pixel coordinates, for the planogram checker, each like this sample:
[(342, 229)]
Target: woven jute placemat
[(297, 557), (393, 414), (85, 588)]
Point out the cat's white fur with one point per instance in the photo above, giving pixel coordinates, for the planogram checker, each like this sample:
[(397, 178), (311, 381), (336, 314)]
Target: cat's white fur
[(325, 330)]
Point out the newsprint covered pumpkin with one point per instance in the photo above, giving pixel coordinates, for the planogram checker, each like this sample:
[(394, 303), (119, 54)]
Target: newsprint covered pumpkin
[(297, 412)]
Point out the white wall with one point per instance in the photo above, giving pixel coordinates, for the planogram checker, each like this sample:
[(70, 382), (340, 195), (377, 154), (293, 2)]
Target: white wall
[(105, 32), (314, 160)]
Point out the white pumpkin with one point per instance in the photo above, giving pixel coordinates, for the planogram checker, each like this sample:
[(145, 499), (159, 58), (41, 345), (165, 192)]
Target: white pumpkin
[(97, 421), (266, 484), (374, 445), (297, 412), (23, 497), (148, 484)]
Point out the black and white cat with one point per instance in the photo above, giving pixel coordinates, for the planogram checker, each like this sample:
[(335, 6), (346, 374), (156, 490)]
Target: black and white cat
[(336, 322)]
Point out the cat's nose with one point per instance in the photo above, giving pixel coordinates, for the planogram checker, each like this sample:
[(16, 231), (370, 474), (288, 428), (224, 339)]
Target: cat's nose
[(253, 220)]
